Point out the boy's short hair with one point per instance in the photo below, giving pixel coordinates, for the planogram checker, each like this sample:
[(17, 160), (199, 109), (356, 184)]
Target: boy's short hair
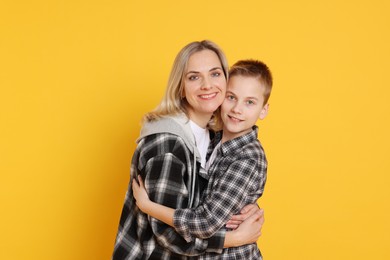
[(257, 69)]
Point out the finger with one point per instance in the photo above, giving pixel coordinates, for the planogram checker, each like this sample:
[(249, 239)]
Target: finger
[(233, 222), (259, 213), (262, 218), (256, 216), (231, 226), (249, 207), (240, 217), (134, 184), (260, 222), (258, 225), (252, 211), (135, 187), (141, 182)]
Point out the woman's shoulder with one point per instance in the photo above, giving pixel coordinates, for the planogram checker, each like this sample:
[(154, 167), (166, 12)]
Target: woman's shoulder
[(163, 142), (173, 128)]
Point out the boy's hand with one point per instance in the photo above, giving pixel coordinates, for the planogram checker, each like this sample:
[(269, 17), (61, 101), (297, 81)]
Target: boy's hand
[(246, 212), (140, 194)]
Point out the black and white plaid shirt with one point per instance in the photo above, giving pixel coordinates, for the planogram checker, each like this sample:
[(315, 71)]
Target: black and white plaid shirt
[(166, 165), (236, 178)]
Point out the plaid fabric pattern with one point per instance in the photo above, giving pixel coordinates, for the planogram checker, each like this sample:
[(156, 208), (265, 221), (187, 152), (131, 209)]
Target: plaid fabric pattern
[(236, 178), (166, 166)]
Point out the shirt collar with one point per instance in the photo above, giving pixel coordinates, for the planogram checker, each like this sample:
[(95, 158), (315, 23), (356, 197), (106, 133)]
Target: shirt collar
[(237, 143)]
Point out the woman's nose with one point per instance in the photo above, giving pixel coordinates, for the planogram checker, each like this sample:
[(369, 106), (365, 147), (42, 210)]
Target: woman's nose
[(206, 84)]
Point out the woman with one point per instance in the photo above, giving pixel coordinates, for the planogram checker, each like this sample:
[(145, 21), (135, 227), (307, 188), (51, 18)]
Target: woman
[(170, 153)]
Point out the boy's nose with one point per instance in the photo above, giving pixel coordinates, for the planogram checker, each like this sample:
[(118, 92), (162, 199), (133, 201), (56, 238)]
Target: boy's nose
[(237, 108)]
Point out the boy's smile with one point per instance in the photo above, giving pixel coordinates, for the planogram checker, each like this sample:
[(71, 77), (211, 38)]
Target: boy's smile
[(243, 106)]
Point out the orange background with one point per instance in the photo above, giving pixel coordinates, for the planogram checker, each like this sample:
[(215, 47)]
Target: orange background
[(77, 76)]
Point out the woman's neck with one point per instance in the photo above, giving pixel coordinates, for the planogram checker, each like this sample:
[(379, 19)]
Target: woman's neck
[(200, 119)]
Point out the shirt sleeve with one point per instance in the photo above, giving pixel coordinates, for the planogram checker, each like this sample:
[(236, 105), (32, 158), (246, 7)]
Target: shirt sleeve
[(226, 197), (165, 178)]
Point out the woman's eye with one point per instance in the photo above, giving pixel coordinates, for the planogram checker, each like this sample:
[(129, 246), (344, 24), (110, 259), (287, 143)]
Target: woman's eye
[(230, 97), (216, 74), (193, 77)]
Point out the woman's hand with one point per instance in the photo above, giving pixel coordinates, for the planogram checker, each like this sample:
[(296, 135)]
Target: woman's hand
[(250, 229), (140, 194), (248, 232), (246, 212)]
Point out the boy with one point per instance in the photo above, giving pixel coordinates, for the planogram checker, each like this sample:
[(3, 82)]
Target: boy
[(236, 168)]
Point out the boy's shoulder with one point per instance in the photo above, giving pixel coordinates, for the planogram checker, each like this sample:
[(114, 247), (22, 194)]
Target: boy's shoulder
[(245, 144), (253, 147)]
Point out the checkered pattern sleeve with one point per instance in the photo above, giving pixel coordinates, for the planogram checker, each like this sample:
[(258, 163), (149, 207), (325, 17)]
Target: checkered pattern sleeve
[(226, 197), (166, 181)]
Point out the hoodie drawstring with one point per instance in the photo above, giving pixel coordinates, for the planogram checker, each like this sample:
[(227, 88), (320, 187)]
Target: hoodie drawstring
[(193, 181)]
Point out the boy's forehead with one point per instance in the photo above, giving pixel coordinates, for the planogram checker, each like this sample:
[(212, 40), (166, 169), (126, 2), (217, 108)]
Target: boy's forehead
[(243, 87), (239, 81)]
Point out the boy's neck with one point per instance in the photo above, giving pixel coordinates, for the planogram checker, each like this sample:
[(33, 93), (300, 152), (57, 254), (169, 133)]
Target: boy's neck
[(227, 135)]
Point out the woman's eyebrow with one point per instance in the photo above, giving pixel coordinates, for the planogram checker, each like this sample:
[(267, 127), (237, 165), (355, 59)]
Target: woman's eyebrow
[(194, 71), (216, 68)]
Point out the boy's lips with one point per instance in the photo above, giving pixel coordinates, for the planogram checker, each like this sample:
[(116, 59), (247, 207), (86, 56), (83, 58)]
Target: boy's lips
[(235, 118)]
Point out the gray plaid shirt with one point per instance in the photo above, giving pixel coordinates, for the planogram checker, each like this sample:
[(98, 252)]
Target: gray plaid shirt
[(236, 178), (166, 165)]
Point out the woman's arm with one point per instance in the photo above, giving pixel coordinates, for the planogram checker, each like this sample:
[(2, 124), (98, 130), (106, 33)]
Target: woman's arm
[(248, 232), (165, 188)]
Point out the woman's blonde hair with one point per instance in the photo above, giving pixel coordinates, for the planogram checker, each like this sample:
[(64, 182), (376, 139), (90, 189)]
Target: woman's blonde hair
[(172, 103)]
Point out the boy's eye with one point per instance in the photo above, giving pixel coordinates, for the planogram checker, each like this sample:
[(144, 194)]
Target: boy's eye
[(230, 97), (250, 102)]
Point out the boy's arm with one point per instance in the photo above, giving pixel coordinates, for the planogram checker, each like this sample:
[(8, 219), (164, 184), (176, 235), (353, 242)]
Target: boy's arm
[(225, 198), (248, 232), (247, 211), (155, 210)]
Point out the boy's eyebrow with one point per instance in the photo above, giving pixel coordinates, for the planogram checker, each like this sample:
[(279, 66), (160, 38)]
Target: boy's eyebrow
[(230, 92), (193, 71)]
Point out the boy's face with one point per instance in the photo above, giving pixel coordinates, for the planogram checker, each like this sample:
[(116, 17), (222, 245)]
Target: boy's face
[(243, 106)]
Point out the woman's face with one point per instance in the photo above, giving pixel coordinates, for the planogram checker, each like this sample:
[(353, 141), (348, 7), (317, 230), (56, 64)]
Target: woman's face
[(204, 85)]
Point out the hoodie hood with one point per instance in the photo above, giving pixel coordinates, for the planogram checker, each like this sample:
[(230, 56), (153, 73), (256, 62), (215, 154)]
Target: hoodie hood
[(177, 125), (180, 126)]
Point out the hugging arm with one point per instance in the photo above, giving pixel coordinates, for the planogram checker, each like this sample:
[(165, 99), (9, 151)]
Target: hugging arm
[(206, 223), (226, 197), (248, 232), (164, 187)]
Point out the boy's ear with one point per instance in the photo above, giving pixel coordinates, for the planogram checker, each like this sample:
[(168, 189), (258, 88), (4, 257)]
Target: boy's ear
[(264, 112)]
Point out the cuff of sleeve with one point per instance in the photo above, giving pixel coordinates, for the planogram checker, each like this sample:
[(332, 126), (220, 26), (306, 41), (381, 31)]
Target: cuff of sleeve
[(180, 225), (216, 242)]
